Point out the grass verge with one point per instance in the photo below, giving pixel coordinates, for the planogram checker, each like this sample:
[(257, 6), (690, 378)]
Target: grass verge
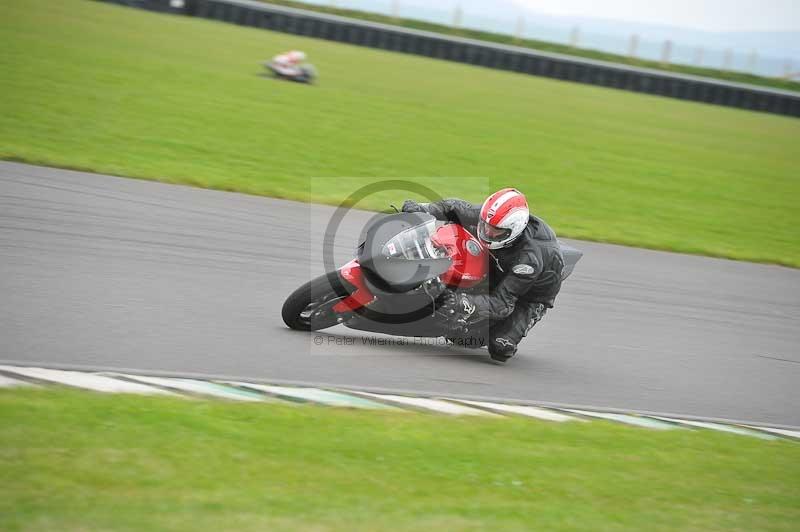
[(74, 460), (116, 90)]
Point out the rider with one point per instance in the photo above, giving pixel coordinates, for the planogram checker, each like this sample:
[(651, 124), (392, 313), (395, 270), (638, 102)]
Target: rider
[(526, 270), (288, 63)]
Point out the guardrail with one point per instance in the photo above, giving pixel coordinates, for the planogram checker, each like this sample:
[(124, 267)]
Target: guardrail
[(482, 53)]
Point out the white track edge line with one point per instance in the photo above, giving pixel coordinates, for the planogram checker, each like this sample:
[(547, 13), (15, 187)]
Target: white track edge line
[(394, 391)]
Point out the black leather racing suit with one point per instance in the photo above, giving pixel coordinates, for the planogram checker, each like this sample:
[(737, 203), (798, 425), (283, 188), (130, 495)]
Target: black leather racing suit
[(524, 278)]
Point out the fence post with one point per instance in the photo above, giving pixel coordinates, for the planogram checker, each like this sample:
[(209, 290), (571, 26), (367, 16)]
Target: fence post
[(752, 61), (519, 31), (574, 37), (632, 46), (698, 56), (727, 59), (666, 52), (458, 15)]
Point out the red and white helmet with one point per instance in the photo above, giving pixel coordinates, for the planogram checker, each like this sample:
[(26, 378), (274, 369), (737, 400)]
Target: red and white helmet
[(296, 56), (504, 216)]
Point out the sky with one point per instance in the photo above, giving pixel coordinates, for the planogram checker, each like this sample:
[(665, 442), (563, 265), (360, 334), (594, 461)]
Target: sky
[(708, 15)]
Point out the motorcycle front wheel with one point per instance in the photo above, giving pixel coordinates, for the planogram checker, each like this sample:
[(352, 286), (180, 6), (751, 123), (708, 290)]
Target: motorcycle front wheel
[(310, 307)]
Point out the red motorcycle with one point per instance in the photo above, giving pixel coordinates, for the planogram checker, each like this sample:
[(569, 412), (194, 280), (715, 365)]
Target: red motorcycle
[(404, 265)]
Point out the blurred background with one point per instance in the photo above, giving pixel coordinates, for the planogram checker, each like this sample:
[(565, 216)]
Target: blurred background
[(142, 277), (757, 37)]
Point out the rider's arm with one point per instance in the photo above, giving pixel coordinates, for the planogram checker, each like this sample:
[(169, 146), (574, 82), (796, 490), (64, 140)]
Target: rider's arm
[(450, 210), (501, 302)]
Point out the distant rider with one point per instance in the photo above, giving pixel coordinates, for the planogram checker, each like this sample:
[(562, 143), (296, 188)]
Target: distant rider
[(526, 271), (288, 64)]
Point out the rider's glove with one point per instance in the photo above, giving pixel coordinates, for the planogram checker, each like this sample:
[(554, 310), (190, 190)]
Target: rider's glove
[(459, 309), (412, 206)]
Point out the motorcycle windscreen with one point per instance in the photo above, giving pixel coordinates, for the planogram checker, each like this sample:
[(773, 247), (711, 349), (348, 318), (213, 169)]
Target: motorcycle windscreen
[(398, 250)]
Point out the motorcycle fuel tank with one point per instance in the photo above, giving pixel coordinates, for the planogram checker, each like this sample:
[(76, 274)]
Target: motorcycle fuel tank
[(470, 259)]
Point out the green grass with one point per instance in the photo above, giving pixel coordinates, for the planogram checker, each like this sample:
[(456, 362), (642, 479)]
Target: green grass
[(72, 460), (105, 88), (728, 75)]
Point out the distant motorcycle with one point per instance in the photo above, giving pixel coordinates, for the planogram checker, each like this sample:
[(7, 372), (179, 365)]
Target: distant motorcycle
[(305, 73), (396, 285)]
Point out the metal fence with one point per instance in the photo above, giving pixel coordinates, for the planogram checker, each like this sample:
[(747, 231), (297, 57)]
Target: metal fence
[(165, 6), (482, 53)]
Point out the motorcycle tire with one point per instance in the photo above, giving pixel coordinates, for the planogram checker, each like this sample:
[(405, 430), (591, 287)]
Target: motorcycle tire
[(309, 308)]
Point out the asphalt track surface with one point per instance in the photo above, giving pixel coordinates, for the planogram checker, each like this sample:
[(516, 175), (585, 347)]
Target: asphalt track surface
[(105, 272)]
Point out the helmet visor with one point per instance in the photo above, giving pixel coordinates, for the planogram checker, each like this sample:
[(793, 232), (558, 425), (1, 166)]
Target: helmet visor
[(490, 233)]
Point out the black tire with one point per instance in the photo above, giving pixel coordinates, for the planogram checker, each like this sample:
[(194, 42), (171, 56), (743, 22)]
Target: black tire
[(316, 295)]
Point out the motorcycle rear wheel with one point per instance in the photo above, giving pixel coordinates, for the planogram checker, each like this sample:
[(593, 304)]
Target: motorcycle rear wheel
[(310, 307)]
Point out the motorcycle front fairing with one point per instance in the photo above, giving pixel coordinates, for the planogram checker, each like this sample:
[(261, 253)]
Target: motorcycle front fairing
[(404, 263), (398, 255), (392, 280)]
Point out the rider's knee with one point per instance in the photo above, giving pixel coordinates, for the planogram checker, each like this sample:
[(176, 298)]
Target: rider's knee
[(506, 311)]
